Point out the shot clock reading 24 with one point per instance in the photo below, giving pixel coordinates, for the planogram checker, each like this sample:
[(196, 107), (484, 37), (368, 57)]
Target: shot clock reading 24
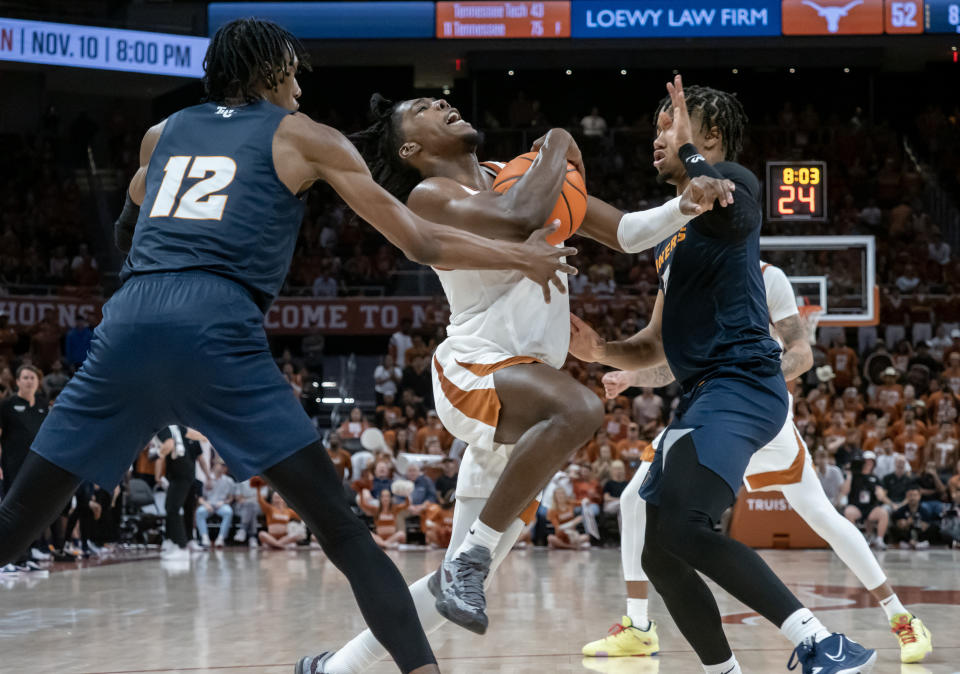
[(796, 190)]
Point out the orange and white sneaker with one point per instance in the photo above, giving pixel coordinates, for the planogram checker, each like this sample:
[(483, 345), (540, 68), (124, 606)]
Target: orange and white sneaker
[(915, 640), (625, 640)]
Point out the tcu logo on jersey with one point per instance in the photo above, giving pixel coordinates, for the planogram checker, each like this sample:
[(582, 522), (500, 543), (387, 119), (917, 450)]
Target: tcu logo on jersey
[(225, 112)]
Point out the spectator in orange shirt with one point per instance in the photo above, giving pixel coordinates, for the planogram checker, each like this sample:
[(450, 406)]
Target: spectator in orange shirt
[(942, 402), (384, 513), (843, 360), (353, 427), (398, 440), (339, 457), (634, 441), (616, 424), (586, 490), (591, 451), (909, 417), (870, 428), (437, 523), (911, 443), (803, 419), (952, 374), (418, 350), (433, 429), (835, 434), (564, 520), (280, 535), (888, 396)]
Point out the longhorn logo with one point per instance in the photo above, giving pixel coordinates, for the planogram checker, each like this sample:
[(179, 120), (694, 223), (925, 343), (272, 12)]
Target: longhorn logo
[(833, 14)]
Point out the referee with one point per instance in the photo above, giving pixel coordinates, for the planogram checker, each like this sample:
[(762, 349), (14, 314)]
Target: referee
[(20, 419)]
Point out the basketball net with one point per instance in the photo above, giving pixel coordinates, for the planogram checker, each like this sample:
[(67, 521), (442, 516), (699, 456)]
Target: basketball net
[(810, 314)]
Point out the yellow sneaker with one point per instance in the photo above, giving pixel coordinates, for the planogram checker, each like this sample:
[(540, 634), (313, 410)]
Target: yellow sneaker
[(915, 640), (625, 640)]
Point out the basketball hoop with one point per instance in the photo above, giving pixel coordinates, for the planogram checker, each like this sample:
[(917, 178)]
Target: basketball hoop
[(810, 314)]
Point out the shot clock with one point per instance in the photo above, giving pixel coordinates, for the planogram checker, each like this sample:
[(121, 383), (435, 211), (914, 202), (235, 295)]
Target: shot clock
[(796, 190)]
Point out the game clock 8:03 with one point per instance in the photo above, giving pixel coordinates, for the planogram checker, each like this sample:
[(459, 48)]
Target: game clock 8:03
[(796, 190)]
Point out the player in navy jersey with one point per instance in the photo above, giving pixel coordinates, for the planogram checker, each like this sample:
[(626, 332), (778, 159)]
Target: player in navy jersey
[(182, 341), (709, 324)]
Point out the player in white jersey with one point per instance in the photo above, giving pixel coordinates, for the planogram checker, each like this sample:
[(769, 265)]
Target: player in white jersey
[(497, 382), (783, 465)]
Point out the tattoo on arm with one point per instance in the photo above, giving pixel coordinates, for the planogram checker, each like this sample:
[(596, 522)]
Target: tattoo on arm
[(653, 377)]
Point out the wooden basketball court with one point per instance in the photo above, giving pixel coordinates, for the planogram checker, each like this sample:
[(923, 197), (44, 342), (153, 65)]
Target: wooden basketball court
[(238, 611)]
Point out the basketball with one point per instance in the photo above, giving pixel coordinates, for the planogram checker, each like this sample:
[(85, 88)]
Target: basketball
[(570, 208)]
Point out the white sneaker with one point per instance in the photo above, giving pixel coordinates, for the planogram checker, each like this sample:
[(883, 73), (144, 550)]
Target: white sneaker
[(253, 543), (205, 541), (193, 546), (240, 536), (176, 554), (218, 543), (39, 555), (10, 569), (923, 545)]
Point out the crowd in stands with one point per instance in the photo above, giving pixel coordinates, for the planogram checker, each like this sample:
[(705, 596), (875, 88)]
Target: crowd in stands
[(885, 440)]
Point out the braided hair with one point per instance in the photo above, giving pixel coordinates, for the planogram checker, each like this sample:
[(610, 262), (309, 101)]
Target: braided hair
[(717, 108), (379, 145), (247, 55)]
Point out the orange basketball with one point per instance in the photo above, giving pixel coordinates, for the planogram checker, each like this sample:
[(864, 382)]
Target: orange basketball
[(571, 207)]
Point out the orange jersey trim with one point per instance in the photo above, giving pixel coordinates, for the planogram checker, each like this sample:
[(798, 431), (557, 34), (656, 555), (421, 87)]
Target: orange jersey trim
[(791, 475), (480, 404), (483, 369)]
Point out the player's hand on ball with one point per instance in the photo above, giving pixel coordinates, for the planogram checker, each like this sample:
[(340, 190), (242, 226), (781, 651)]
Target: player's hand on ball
[(585, 343), (615, 383), (545, 262), (701, 193), (573, 150)]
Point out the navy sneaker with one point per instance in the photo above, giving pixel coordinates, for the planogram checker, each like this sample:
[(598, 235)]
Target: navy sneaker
[(834, 655)]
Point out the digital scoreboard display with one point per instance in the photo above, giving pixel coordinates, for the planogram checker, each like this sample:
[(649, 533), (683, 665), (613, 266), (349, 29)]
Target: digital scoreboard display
[(796, 190), (503, 20)]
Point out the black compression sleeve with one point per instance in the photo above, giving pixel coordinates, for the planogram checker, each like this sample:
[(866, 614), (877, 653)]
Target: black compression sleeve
[(125, 225), (695, 163)]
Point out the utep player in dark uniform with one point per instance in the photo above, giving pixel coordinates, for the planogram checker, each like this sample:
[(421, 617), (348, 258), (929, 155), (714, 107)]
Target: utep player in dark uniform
[(183, 340), (709, 325)]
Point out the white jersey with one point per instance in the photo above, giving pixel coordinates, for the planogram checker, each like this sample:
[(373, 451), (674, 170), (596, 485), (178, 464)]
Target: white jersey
[(507, 309), (781, 301)]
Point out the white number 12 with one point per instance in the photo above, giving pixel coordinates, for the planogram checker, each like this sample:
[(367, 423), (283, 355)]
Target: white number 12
[(200, 201)]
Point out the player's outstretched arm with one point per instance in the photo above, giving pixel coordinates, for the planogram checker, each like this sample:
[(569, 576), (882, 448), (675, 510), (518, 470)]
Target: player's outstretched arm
[(511, 216), (336, 161), (638, 231), (642, 351), (797, 355), (618, 381)]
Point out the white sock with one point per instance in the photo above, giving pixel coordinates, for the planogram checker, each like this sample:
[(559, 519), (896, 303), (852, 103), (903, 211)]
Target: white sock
[(892, 606), (637, 612), (731, 666), (480, 535), (802, 625)]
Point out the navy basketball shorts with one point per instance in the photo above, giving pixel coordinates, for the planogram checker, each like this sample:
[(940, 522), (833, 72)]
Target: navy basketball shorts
[(178, 348), (729, 417)]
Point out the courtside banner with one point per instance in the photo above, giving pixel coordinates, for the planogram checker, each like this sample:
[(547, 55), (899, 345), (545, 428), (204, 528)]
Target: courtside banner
[(333, 20), (674, 18), (833, 17), (287, 316)]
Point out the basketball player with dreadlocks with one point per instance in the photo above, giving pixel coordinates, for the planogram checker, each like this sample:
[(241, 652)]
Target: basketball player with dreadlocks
[(496, 377), (783, 465), (182, 341), (709, 325)]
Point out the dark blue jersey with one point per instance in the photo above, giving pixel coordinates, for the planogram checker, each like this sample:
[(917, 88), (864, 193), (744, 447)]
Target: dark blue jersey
[(715, 310), (214, 201)]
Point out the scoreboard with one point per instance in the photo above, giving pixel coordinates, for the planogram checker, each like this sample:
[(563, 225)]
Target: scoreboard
[(796, 190)]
